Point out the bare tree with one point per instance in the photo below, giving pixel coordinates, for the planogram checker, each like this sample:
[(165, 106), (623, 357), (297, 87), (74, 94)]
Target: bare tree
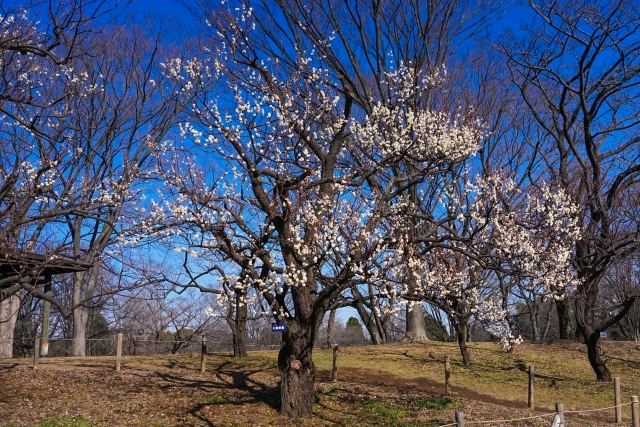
[(37, 44), (623, 282), (117, 126), (577, 66), (34, 97)]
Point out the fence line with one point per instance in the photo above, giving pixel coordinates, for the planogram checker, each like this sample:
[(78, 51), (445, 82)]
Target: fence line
[(503, 421), (459, 415), (559, 412), (194, 345), (580, 411), (136, 340), (551, 377), (461, 422), (24, 347), (559, 407), (489, 368)]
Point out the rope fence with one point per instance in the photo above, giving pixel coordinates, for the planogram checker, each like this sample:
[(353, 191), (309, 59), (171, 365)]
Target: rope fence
[(489, 368), (551, 377), (558, 420), (558, 415)]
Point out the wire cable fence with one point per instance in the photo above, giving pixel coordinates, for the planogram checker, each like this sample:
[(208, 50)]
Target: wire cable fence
[(131, 346)]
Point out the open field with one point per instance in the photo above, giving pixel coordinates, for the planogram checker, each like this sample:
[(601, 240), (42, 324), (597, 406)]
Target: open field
[(391, 385)]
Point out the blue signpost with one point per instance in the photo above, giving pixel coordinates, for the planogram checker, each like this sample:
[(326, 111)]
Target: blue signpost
[(278, 327)]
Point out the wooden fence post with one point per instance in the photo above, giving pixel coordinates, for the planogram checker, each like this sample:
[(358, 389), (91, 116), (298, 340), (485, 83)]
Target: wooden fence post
[(203, 355), (334, 371), (119, 352), (459, 419), (36, 352), (560, 414), (617, 399), (635, 417), (531, 377), (447, 376)]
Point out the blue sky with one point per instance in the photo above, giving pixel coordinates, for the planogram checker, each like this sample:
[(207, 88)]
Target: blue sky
[(174, 10)]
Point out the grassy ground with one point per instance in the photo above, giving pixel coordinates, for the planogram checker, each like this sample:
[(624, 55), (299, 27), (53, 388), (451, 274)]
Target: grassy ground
[(504, 376), (392, 385)]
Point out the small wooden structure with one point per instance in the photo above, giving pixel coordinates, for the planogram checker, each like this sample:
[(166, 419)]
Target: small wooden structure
[(13, 262)]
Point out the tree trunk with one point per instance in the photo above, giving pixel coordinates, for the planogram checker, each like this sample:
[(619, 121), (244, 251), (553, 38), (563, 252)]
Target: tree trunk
[(240, 330), (415, 330), (564, 317), (9, 308), (297, 370), (46, 317), (534, 316), (461, 332), (602, 372), (512, 327), (585, 322), (81, 312), (332, 320), (80, 320), (505, 288), (547, 322), (370, 321)]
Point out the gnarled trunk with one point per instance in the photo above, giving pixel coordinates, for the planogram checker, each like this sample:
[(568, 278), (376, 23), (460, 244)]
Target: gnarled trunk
[(240, 330), (585, 321), (332, 320), (564, 318), (297, 370), (415, 330), (462, 333), (8, 316), (602, 372)]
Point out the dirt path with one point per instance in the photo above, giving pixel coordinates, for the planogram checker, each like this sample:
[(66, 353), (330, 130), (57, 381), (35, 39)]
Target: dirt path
[(363, 376)]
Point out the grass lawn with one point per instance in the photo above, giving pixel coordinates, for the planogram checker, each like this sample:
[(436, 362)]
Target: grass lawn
[(390, 385)]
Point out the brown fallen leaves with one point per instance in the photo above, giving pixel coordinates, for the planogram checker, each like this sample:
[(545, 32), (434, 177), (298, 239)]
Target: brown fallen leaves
[(170, 391)]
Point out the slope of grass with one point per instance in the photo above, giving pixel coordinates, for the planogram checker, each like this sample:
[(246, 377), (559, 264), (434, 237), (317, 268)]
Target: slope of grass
[(499, 374)]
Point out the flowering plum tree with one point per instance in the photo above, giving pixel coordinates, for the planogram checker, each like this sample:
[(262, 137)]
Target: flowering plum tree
[(306, 209), (491, 227)]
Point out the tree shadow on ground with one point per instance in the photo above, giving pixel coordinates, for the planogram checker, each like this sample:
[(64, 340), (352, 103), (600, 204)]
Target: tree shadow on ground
[(633, 364), (8, 367), (475, 366), (226, 380)]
